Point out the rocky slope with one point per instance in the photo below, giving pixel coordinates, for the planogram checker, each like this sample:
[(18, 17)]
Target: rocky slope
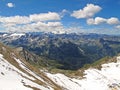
[(17, 74)]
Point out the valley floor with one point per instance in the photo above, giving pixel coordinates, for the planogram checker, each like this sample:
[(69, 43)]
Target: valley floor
[(12, 78)]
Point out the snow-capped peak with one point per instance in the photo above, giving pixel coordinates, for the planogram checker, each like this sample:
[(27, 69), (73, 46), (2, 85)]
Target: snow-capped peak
[(17, 34)]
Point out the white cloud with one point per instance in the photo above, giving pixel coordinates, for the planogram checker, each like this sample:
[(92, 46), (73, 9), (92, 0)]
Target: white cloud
[(64, 12), (45, 16), (48, 25), (13, 20), (96, 21), (36, 22), (54, 24), (90, 21), (113, 20), (10, 5), (37, 26), (89, 11), (118, 26), (100, 20)]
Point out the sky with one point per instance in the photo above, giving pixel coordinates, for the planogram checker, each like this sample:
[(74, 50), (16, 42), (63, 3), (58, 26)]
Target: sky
[(60, 16)]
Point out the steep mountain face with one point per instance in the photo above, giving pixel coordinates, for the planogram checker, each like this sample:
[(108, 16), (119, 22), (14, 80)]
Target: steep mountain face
[(36, 60), (17, 74), (71, 51)]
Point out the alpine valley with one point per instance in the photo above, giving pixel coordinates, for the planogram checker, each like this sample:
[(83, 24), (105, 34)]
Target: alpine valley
[(63, 51), (59, 44), (47, 61)]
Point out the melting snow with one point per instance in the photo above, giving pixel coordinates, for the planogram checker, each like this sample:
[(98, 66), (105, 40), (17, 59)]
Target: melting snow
[(12, 79), (108, 78), (22, 65)]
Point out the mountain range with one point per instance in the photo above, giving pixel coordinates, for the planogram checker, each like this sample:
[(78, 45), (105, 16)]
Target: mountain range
[(18, 74), (63, 51)]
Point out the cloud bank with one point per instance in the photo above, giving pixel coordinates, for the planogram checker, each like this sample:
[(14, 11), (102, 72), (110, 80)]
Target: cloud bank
[(36, 22)]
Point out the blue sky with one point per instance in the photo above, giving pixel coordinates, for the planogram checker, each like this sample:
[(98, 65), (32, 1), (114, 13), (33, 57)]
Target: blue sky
[(87, 16)]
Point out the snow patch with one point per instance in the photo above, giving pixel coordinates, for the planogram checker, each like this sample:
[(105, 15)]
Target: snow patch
[(118, 59), (4, 35), (12, 78), (23, 66), (17, 34), (108, 78)]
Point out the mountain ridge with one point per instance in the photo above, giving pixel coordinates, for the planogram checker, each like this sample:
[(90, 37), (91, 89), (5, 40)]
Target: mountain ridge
[(25, 71), (71, 51), (16, 73)]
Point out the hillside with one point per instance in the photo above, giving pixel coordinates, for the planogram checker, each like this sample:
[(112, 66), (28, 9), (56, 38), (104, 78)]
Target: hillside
[(16, 73)]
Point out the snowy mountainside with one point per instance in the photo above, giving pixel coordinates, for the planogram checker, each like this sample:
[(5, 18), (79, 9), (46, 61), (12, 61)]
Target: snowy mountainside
[(8, 37), (17, 74), (12, 35), (11, 76), (108, 78)]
